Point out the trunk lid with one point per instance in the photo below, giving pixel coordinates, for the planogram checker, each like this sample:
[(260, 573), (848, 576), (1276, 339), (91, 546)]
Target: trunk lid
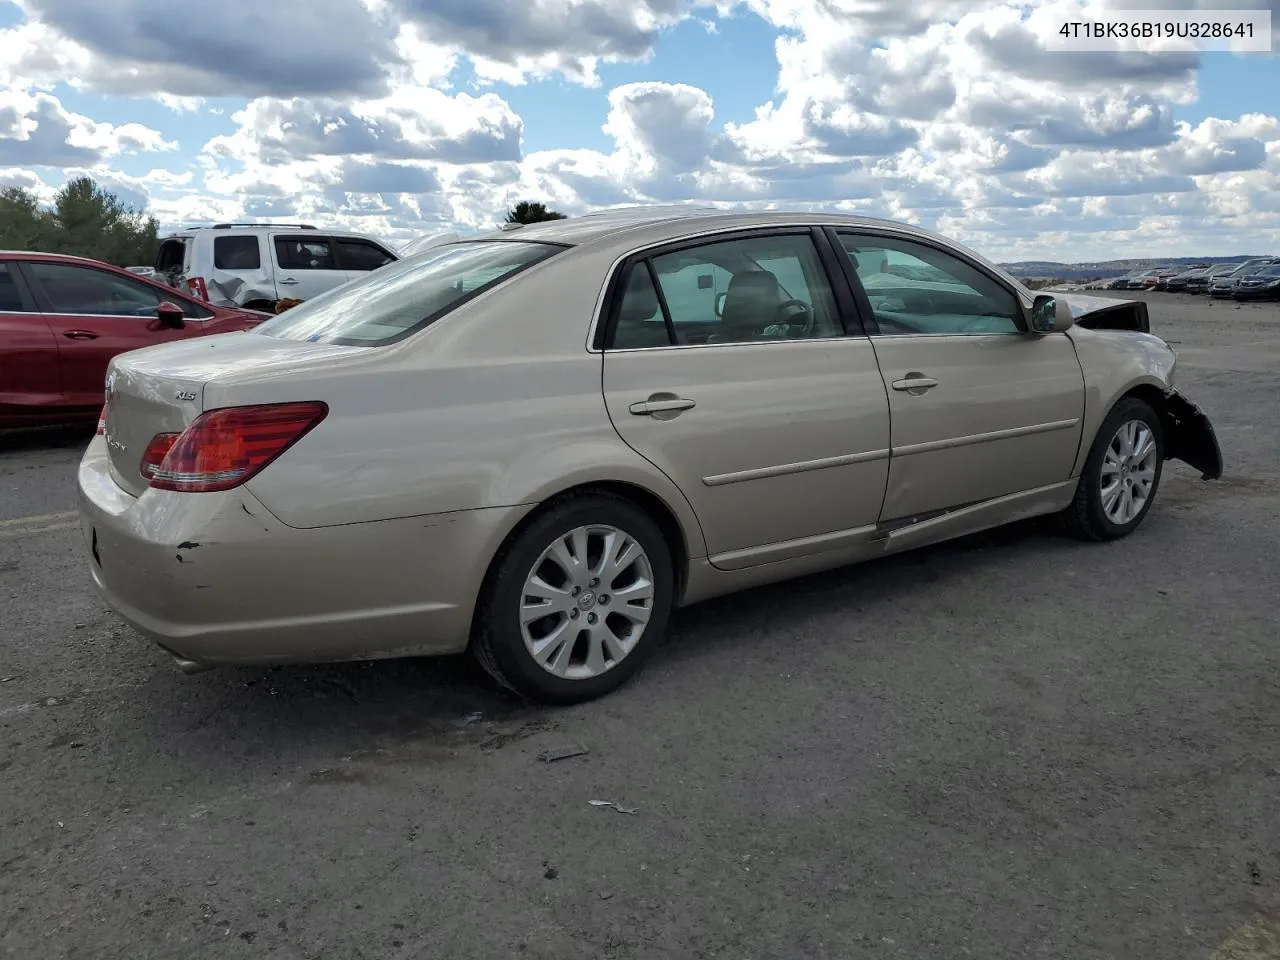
[(160, 389)]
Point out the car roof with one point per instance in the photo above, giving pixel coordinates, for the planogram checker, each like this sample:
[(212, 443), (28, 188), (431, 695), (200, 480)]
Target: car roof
[(55, 257), (642, 225)]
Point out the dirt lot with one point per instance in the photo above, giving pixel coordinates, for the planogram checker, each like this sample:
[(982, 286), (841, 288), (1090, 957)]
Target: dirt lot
[(1011, 746)]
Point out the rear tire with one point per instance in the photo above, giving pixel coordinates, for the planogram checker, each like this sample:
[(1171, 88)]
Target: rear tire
[(1121, 475), (576, 602)]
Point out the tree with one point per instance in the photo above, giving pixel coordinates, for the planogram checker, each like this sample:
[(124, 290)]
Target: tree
[(531, 211), (85, 220), (23, 225)]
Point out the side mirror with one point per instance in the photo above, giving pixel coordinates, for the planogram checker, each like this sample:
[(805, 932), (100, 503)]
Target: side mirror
[(1050, 315), (170, 314), (720, 299)]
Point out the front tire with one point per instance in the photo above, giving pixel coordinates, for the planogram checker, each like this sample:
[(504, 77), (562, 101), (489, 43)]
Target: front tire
[(577, 601), (1121, 475)]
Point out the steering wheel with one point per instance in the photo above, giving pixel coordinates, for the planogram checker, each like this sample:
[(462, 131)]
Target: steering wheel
[(804, 317)]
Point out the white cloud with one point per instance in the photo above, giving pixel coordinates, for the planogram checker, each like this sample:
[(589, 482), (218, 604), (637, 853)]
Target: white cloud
[(382, 115)]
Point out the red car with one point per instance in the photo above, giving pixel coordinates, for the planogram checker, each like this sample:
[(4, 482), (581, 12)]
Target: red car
[(63, 318)]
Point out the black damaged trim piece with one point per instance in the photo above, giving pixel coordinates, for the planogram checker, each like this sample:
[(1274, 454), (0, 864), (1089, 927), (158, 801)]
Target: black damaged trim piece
[(1189, 436)]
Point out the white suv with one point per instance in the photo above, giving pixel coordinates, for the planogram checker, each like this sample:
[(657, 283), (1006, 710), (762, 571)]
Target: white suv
[(254, 265)]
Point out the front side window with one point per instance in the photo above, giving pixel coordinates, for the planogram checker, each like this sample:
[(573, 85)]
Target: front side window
[(362, 255), (89, 292), (745, 290), (915, 289), (304, 253), (403, 297)]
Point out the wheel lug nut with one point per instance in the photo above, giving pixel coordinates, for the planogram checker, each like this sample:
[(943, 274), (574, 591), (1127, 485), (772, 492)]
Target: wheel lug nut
[(575, 591), (591, 618), (595, 582), (604, 598), (573, 614)]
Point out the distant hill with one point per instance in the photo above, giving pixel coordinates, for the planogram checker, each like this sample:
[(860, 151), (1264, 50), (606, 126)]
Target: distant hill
[(1102, 269)]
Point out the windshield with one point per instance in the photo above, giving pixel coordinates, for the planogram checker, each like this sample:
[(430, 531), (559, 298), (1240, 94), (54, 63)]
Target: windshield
[(401, 298)]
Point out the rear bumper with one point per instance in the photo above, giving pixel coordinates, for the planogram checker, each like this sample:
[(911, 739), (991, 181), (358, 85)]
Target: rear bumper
[(215, 579)]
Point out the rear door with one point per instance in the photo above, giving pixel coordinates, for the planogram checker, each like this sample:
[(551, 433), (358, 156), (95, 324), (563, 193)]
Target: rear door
[(306, 265), (94, 315), (29, 372), (357, 256), (769, 417)]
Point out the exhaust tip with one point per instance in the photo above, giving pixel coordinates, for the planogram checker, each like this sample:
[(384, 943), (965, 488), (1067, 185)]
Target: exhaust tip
[(188, 667)]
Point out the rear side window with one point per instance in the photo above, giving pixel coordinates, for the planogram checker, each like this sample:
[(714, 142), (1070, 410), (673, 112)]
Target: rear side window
[(236, 253), (304, 253), (362, 255), (407, 295)]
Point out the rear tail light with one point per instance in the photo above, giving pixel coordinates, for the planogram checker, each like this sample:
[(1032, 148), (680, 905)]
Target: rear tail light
[(102, 422), (155, 453), (197, 288), (224, 448)]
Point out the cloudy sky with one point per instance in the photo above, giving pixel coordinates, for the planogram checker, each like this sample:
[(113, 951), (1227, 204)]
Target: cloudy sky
[(398, 117)]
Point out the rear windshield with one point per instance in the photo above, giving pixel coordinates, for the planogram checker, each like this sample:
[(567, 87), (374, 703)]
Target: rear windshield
[(403, 297)]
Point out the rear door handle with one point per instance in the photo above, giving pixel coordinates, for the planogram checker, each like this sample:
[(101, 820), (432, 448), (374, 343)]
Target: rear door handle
[(287, 280), (80, 335), (914, 383), (651, 406)]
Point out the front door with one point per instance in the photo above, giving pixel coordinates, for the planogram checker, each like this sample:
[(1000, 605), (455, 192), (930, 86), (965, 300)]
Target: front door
[(306, 266), (96, 314), (771, 420), (979, 407)]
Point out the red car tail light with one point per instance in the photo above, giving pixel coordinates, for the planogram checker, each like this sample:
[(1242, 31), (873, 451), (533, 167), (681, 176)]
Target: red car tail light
[(155, 453), (224, 448), (102, 422)]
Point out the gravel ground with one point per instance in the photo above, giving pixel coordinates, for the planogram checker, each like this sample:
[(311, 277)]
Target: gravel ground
[(1013, 745)]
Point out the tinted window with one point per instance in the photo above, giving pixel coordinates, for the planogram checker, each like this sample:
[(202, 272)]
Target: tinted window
[(362, 255), (236, 253), (84, 290), (915, 289), (304, 253), (406, 295), (10, 299), (735, 291)]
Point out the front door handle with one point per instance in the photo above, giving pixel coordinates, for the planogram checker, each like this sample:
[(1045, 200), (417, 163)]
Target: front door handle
[(80, 335), (660, 404), (914, 383), (287, 280)]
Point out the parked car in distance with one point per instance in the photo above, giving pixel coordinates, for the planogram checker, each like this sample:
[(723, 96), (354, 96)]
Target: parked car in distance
[(1200, 282), (536, 444), (1178, 281), (1159, 277), (1225, 284), (63, 318), (255, 265), (1264, 284)]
